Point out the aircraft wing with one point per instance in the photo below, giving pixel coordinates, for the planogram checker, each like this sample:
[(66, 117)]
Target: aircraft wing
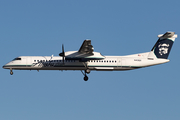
[(86, 48), (85, 53)]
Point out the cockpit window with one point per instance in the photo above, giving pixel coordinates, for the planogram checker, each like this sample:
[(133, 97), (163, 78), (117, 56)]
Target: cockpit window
[(17, 59)]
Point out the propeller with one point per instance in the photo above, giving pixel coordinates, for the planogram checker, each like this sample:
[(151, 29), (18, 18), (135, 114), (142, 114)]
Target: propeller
[(63, 53)]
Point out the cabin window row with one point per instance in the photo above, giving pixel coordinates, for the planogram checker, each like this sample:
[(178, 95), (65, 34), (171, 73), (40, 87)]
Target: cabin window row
[(102, 61), (54, 60), (105, 61)]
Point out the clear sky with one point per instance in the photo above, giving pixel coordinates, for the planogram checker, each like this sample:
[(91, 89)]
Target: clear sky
[(116, 27)]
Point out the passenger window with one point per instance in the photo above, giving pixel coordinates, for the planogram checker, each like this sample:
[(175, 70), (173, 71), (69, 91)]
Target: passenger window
[(34, 60)]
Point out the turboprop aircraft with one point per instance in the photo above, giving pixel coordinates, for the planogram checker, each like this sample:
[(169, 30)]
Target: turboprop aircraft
[(87, 60)]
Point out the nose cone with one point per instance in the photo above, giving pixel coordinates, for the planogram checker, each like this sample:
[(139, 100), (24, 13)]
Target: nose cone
[(5, 67), (8, 65)]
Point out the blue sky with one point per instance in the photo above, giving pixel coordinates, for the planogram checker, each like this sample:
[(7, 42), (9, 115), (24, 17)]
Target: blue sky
[(40, 27)]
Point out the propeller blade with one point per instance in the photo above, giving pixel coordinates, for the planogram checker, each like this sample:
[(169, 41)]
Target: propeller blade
[(63, 53), (63, 48)]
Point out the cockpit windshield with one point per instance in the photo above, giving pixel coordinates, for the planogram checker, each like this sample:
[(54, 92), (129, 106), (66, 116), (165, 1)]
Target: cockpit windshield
[(17, 58)]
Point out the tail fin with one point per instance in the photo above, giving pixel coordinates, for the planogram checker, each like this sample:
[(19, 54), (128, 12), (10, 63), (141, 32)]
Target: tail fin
[(163, 46)]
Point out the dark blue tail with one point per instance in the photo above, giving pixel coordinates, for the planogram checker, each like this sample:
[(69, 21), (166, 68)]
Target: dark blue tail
[(164, 44)]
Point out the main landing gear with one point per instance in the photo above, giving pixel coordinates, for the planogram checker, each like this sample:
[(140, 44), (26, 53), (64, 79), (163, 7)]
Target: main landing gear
[(87, 71)]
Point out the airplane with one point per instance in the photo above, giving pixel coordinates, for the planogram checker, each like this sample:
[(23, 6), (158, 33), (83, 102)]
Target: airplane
[(85, 59)]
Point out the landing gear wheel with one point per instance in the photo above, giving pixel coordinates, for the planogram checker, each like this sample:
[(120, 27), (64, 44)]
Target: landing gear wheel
[(87, 71), (85, 78), (11, 72)]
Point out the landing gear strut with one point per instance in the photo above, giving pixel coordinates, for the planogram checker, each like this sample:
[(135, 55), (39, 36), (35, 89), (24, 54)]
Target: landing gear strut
[(87, 71)]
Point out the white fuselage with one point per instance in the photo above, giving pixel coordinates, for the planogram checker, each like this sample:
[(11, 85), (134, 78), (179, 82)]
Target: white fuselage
[(109, 63), (86, 59)]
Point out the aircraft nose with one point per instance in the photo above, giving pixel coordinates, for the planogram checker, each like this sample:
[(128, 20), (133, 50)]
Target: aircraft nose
[(5, 66)]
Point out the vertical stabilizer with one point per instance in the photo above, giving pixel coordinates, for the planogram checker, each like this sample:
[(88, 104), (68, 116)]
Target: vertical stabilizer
[(163, 46)]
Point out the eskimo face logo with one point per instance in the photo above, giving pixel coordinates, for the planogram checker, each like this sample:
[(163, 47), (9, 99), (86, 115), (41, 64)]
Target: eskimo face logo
[(163, 48)]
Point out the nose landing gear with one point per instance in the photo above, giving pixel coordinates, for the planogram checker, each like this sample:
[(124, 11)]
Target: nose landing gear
[(11, 72)]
